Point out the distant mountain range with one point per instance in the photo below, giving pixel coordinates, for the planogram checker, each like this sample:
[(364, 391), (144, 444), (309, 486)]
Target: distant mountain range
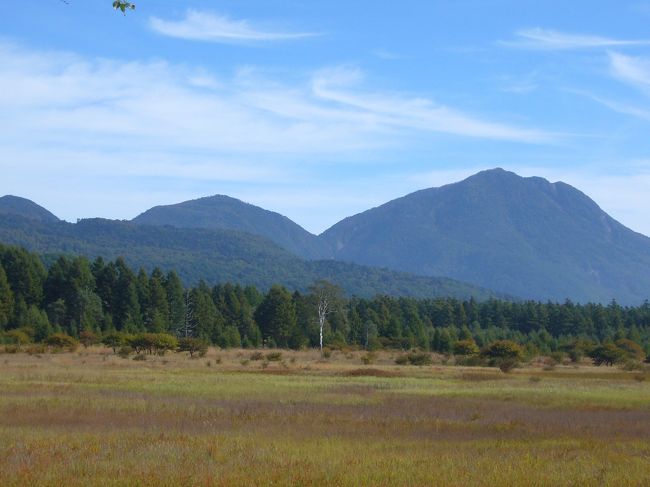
[(523, 237), (218, 256)]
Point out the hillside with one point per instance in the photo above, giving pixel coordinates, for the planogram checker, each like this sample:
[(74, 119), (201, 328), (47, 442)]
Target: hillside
[(15, 205), (523, 236), (218, 256), (225, 213)]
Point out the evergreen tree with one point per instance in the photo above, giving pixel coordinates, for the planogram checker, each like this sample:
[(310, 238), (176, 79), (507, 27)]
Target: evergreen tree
[(276, 316)]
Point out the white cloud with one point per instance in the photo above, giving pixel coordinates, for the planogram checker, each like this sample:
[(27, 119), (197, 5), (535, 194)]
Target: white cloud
[(619, 107), (545, 39), (210, 27), (77, 126), (631, 69), (399, 111)]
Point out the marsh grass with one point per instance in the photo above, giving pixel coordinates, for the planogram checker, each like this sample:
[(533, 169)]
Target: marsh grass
[(304, 421)]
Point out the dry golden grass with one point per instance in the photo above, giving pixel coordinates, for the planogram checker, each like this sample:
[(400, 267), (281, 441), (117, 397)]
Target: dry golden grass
[(94, 418)]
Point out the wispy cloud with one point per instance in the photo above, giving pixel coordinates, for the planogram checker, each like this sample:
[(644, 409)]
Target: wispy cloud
[(396, 110), (210, 27), (545, 39), (625, 108), (68, 121), (631, 69)]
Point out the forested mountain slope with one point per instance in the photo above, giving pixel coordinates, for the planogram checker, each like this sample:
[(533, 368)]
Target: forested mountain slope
[(523, 236)]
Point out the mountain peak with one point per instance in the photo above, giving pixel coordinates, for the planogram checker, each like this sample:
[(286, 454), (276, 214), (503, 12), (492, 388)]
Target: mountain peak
[(524, 236), (228, 213), (16, 205)]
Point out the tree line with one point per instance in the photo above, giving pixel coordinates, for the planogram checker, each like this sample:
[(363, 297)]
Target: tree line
[(74, 294)]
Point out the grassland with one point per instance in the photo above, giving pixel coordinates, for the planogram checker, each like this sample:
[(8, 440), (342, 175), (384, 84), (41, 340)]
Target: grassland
[(91, 417)]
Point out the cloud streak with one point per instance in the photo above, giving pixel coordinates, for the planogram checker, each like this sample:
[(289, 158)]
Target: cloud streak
[(551, 40), (631, 69), (210, 27)]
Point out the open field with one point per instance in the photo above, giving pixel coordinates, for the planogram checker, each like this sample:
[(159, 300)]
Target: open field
[(91, 417)]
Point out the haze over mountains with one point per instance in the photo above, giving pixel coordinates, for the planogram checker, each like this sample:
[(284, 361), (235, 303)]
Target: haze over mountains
[(523, 237)]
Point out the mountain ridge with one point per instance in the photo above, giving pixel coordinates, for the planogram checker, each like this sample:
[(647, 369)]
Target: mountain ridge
[(16, 205), (225, 212), (520, 236)]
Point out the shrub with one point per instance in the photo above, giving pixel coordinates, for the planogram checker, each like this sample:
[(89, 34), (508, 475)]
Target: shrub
[(369, 358), (17, 337), (125, 351), (274, 356), (470, 360), (630, 365), (327, 352), (150, 343), (61, 341), (115, 340), (607, 354), (465, 348), (503, 349), (257, 356), (193, 345), (88, 338), (402, 360), (140, 357), (506, 365), (415, 358), (631, 349)]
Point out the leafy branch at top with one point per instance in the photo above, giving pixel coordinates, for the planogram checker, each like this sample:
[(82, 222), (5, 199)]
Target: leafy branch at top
[(123, 6)]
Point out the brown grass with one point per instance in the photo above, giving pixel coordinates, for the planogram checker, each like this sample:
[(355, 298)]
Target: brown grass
[(91, 418)]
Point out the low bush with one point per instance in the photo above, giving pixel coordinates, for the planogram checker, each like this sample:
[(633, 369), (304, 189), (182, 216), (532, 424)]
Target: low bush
[(125, 351), (369, 358), (193, 346), (274, 356), (414, 358), (507, 365), (401, 360), (61, 341), (466, 348), (257, 356)]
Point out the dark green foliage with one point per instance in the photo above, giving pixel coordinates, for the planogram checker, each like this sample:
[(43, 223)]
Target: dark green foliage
[(109, 299), (123, 6), (466, 347), (276, 316), (607, 354), (521, 236), (503, 350), (218, 255), (193, 346), (151, 343), (115, 340), (6, 300)]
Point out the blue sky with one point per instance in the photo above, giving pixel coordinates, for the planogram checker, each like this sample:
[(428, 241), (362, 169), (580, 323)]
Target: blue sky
[(320, 109)]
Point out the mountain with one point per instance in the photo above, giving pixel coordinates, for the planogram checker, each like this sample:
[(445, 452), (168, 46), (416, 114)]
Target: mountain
[(15, 205), (522, 236), (226, 213), (217, 256)]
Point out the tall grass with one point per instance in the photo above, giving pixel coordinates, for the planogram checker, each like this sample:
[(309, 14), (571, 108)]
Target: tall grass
[(93, 418)]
